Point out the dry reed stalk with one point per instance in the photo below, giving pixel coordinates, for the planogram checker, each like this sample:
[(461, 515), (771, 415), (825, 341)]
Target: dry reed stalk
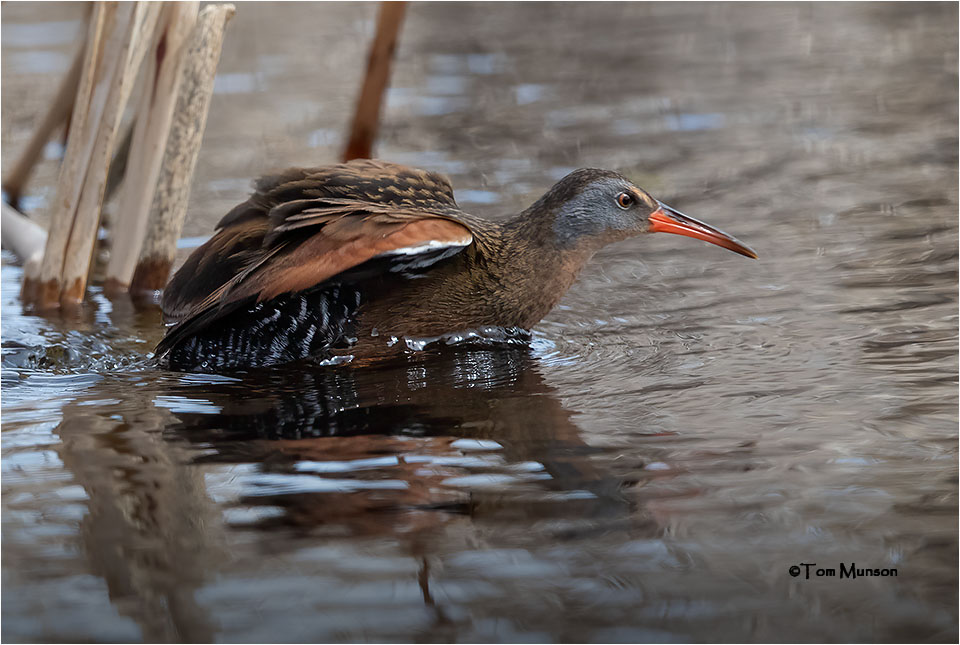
[(150, 134), (183, 146), (115, 47), (130, 43), (41, 287), (24, 237), (118, 167), (366, 119), (63, 101)]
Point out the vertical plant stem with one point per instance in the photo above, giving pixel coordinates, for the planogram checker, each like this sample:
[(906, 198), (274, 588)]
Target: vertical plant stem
[(115, 48), (41, 287), (122, 55), (183, 146), (148, 145), (366, 118), (16, 180)]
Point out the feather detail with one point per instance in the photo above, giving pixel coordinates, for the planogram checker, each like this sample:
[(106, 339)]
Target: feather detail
[(302, 228)]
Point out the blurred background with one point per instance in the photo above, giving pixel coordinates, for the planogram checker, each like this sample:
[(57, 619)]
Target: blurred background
[(686, 425)]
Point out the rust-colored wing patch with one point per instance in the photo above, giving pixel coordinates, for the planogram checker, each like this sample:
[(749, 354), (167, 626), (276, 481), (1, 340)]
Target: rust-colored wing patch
[(304, 227), (348, 242)]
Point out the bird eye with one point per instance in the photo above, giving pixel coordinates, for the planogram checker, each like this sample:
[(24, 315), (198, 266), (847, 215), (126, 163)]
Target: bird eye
[(625, 200)]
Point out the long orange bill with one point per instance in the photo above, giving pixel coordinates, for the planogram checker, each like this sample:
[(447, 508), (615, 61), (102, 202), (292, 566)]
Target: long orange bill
[(668, 220)]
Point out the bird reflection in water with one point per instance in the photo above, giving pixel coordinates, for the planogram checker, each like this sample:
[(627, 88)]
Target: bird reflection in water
[(403, 446), (407, 449), (446, 449)]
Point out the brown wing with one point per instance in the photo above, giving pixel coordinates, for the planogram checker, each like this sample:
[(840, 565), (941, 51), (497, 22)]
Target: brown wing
[(361, 180), (210, 267), (303, 227)]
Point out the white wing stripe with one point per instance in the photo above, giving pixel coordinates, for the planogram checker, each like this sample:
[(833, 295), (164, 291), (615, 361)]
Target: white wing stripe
[(431, 245)]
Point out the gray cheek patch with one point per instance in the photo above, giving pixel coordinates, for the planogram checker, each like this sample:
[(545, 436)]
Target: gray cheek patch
[(590, 213), (573, 222)]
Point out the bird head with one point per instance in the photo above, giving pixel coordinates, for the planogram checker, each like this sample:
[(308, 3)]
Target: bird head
[(590, 208)]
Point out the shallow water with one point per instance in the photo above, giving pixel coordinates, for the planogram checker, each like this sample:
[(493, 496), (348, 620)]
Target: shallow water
[(685, 427)]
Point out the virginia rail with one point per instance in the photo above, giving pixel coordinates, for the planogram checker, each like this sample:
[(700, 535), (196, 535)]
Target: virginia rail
[(343, 260)]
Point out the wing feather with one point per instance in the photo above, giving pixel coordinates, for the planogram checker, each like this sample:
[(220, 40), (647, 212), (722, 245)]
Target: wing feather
[(304, 227)]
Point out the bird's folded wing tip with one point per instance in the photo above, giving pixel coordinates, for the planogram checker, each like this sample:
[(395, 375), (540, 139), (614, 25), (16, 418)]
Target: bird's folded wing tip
[(426, 246)]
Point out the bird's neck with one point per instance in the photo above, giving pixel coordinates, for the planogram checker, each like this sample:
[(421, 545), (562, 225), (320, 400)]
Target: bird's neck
[(532, 270)]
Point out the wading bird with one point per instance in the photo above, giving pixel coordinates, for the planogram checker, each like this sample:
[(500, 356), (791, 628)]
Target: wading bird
[(345, 259)]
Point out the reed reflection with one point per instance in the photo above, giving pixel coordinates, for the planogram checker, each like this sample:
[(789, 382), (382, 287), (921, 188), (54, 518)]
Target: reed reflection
[(150, 532)]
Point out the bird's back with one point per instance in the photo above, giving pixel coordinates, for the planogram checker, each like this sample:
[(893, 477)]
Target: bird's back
[(288, 269)]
